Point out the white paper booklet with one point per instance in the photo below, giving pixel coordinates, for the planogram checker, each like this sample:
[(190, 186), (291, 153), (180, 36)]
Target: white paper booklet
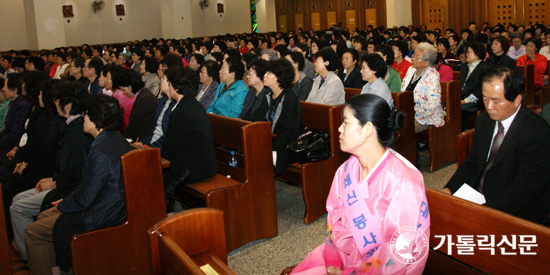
[(470, 194)]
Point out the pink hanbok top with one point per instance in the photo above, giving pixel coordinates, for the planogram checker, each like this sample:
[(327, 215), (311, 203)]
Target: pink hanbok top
[(394, 194)]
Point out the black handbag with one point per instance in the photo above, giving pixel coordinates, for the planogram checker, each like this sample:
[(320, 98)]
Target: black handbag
[(312, 146)]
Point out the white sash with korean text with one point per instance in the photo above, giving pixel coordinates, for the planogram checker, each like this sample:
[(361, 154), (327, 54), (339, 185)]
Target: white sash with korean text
[(362, 225)]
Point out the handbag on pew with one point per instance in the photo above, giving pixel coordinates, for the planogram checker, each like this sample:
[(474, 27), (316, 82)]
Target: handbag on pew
[(312, 146)]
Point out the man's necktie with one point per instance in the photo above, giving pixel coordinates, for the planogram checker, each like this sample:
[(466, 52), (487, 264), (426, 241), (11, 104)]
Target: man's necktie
[(497, 141)]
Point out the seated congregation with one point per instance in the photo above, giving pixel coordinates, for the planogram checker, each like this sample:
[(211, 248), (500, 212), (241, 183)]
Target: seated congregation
[(69, 114)]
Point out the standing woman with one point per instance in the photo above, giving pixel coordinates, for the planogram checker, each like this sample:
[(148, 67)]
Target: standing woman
[(374, 195), (282, 108), (423, 79), (327, 86), (350, 74), (301, 85)]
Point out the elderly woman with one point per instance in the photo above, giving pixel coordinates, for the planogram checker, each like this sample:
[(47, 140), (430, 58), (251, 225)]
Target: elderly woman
[(423, 79), (282, 108), (327, 86), (470, 79), (362, 217), (539, 61), (373, 69), (230, 95), (301, 85), (148, 70), (188, 143), (350, 74), (499, 48), (209, 78)]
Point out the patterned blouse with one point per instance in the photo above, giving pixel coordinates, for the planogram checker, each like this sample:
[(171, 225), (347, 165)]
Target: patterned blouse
[(427, 97)]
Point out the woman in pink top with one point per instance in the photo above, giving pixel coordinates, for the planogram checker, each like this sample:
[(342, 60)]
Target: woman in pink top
[(378, 219)]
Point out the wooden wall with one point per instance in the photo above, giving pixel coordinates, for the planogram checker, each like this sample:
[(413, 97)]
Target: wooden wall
[(443, 14), (292, 14)]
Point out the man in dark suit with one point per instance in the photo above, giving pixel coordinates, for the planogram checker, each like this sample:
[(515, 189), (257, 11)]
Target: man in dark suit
[(510, 158)]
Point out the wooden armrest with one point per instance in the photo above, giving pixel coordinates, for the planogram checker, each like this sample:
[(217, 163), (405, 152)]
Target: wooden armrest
[(215, 182)]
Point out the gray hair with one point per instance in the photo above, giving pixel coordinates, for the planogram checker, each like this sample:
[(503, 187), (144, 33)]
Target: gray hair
[(429, 53), (271, 53)]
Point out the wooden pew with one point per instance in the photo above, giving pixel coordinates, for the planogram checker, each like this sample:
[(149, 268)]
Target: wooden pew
[(245, 194), (529, 72), (542, 97), (454, 216), (456, 75), (124, 249), (405, 140), (316, 177), (442, 140), (464, 146), (183, 242)]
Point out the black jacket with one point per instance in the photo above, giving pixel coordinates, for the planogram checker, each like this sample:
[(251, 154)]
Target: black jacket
[(518, 180), (188, 144), (142, 117), (354, 80), (73, 149), (99, 199)]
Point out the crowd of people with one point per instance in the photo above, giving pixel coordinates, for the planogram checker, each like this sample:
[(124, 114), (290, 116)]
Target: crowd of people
[(65, 115)]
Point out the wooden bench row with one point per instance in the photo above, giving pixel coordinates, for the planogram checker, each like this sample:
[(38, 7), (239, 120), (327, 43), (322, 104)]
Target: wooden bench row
[(507, 240)]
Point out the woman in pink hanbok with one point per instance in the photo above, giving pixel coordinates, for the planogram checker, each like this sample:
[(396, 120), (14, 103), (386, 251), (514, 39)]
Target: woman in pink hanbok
[(378, 220)]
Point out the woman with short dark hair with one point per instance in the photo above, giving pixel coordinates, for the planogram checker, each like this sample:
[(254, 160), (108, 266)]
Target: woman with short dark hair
[(373, 69), (148, 70), (532, 56), (188, 143), (500, 47), (99, 201), (470, 79), (142, 116), (301, 85), (230, 95), (349, 73), (282, 108), (327, 86)]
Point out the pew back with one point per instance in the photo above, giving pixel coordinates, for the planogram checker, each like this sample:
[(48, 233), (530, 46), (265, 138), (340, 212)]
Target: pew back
[(529, 73), (454, 216), (442, 140), (5, 264), (246, 193), (124, 249), (179, 242)]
